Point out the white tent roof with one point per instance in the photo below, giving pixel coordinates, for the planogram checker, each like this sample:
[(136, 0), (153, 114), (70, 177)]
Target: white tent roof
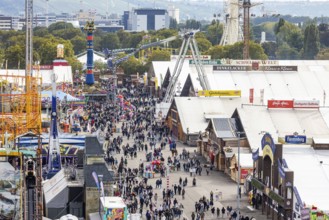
[(256, 120), (192, 111), (82, 58), (311, 178), (160, 69), (64, 74), (245, 160)]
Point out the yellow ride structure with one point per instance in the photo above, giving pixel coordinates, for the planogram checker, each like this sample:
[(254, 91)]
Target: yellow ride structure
[(20, 106)]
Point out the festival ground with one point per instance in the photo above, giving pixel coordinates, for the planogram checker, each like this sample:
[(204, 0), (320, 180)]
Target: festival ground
[(216, 181)]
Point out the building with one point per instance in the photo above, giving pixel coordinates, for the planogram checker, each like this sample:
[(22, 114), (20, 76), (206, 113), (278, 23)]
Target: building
[(94, 162), (173, 13), (189, 116), (5, 23), (149, 19)]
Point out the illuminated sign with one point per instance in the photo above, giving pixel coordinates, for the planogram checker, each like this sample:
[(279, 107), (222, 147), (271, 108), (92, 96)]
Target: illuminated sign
[(219, 93), (280, 103)]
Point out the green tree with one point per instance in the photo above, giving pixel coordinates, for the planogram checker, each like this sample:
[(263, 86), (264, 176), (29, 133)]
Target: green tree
[(279, 25), (192, 24), (217, 52), (159, 55), (311, 42), (270, 49), (110, 41), (59, 26), (79, 44), (40, 31), (67, 33), (135, 40), (124, 38), (203, 44), (14, 55), (131, 66), (173, 24), (214, 32), (285, 52), (323, 54)]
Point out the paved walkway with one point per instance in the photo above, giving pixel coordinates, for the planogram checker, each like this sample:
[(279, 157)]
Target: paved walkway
[(216, 181)]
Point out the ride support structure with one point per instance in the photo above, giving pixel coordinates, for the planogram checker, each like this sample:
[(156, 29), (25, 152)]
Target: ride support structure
[(90, 28), (188, 42)]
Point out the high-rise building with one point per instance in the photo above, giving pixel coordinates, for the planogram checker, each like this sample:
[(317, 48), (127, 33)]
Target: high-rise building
[(173, 12), (149, 19)]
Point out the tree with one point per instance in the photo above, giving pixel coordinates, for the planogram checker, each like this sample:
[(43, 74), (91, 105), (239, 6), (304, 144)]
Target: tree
[(131, 66), (135, 39), (110, 41), (192, 24), (279, 25), (285, 52), (173, 24), (124, 38), (159, 55), (270, 49), (217, 52), (323, 54), (203, 44), (311, 42), (15, 55), (214, 33), (59, 26), (79, 44)]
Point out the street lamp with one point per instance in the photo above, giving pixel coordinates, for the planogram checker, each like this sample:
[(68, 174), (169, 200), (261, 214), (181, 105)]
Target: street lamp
[(216, 18), (100, 179), (239, 175)]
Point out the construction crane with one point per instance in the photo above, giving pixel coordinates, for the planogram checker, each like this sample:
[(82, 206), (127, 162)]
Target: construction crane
[(188, 41), (112, 62)]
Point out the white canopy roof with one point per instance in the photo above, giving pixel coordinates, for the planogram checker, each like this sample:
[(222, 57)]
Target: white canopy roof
[(311, 178), (192, 110)]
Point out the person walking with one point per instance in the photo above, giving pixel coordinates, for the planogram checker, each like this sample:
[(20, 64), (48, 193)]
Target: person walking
[(223, 212), (183, 193), (193, 216)]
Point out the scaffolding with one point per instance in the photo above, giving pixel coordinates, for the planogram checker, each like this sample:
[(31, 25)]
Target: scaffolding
[(20, 108)]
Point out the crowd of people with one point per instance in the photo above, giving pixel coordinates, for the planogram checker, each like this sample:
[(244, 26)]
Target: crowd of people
[(129, 130)]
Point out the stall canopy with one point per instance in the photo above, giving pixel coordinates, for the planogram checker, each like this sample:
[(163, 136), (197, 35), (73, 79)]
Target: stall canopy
[(59, 94)]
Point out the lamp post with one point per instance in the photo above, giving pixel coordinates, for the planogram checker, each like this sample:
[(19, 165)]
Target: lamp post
[(239, 176), (100, 179)]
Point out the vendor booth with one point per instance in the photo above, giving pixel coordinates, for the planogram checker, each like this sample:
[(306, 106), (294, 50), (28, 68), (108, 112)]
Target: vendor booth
[(114, 208)]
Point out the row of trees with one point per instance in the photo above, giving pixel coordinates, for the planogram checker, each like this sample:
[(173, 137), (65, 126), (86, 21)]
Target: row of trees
[(290, 42)]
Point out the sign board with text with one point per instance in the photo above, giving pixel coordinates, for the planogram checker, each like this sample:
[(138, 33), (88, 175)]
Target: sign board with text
[(295, 139), (255, 68), (219, 93), (280, 103), (306, 104), (190, 57)]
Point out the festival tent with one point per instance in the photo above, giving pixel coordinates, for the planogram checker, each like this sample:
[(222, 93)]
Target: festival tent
[(59, 94)]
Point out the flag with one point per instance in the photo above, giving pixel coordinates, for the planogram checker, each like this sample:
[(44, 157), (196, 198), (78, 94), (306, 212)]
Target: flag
[(102, 189), (94, 174), (255, 155)]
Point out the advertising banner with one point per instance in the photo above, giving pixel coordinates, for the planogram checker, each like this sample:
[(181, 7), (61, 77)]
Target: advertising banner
[(306, 103), (190, 57), (251, 95), (219, 93), (280, 103)]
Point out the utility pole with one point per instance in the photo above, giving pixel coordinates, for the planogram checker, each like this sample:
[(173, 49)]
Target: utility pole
[(246, 21), (239, 176)]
